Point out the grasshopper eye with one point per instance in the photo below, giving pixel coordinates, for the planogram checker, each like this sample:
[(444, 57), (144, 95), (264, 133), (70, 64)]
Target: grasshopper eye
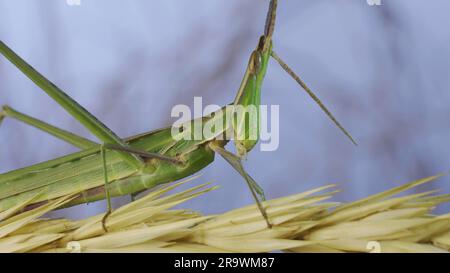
[(255, 62)]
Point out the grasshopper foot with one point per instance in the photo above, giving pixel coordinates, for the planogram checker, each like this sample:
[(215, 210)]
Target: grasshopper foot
[(105, 217)]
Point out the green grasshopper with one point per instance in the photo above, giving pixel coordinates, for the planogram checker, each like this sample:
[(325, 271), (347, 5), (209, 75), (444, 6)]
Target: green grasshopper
[(129, 166)]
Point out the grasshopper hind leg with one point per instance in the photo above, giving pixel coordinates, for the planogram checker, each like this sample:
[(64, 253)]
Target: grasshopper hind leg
[(71, 138)]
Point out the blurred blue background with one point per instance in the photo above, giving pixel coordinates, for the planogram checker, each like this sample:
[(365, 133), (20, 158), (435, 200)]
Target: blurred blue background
[(383, 70)]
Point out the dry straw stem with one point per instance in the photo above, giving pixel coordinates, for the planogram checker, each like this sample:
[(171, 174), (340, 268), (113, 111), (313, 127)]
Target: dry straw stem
[(303, 222)]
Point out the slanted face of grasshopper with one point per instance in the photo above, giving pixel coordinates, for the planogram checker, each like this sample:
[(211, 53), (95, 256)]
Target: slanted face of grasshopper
[(128, 166)]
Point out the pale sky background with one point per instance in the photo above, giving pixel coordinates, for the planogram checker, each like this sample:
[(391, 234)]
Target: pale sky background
[(384, 72)]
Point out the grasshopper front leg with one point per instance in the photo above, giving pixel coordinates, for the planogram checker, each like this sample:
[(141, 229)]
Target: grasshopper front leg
[(255, 189)]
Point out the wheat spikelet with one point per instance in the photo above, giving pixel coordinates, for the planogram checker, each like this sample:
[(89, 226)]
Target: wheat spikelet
[(303, 222)]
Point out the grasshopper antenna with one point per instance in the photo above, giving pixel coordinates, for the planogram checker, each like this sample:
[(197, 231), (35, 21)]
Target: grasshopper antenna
[(268, 33), (312, 95)]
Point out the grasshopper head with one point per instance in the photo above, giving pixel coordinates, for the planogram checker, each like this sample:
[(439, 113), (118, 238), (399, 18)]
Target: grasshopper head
[(265, 42), (269, 29)]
